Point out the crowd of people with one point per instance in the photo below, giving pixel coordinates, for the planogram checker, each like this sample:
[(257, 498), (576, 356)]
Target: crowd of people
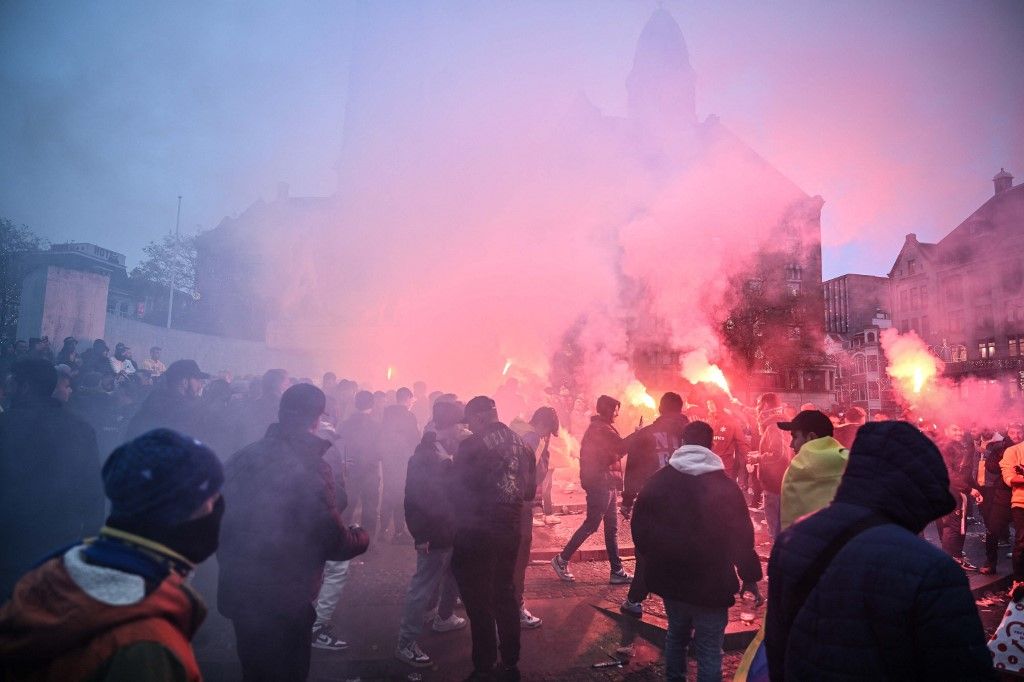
[(119, 478)]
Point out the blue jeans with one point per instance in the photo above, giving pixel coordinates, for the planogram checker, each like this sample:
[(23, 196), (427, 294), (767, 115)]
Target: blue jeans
[(600, 507), (773, 513), (708, 628), (433, 571)]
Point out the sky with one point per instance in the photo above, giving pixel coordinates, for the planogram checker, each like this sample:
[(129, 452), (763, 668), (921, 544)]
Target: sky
[(897, 114)]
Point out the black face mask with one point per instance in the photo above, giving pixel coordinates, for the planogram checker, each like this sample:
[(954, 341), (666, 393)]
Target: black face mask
[(196, 540)]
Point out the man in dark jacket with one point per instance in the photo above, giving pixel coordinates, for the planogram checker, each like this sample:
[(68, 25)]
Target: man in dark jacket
[(256, 414), (648, 451), (959, 462), (359, 437), (997, 496), (50, 491), (431, 520), (600, 453), (282, 524), (889, 605), (174, 404), (692, 527), (399, 434), (492, 477)]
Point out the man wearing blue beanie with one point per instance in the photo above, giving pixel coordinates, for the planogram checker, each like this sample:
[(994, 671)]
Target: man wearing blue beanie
[(117, 606)]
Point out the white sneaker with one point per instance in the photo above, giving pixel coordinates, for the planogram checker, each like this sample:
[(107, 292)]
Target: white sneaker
[(450, 623), (552, 520), (528, 620), (538, 522), (413, 655)]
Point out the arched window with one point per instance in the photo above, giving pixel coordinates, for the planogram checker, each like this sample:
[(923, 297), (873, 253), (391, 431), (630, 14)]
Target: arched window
[(858, 364)]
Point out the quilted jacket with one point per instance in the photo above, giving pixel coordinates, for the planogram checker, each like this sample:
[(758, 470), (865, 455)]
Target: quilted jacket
[(890, 606)]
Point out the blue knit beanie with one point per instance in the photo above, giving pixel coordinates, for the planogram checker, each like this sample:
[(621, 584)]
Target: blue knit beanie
[(160, 478)]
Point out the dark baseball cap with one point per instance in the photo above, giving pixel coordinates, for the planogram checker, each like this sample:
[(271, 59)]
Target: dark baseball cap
[(809, 421), (479, 405), (185, 369)]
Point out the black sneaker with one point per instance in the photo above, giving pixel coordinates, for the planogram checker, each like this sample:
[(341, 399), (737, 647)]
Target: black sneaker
[(324, 638), (965, 564), (620, 577)]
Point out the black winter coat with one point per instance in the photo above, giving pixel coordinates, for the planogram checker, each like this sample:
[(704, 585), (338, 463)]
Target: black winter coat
[(281, 523), (890, 606), (428, 508), (694, 533), (649, 449), (50, 489), (166, 409)]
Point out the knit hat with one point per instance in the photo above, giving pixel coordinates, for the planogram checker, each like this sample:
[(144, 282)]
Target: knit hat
[(160, 478)]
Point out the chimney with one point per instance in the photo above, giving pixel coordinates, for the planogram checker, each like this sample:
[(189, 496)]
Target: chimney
[(912, 238), (1003, 181)]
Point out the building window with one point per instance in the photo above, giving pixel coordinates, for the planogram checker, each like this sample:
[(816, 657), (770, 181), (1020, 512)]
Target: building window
[(911, 266), (872, 390), (905, 326), (872, 363), (955, 322), (955, 290), (904, 301), (924, 326), (915, 298), (858, 364), (1015, 344), (924, 296), (983, 316), (987, 349), (958, 353)]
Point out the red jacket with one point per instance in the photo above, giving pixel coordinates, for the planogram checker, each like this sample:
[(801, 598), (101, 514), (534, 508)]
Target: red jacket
[(53, 629)]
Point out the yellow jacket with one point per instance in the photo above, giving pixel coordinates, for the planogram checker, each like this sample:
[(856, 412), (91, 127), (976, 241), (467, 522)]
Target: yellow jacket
[(1013, 457), (811, 480)]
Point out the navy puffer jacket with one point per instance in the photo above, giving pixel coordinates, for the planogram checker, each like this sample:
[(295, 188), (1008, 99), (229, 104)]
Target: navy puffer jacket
[(890, 606)]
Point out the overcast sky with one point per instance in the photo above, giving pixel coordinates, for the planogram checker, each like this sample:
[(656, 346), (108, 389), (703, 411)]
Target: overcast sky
[(897, 114)]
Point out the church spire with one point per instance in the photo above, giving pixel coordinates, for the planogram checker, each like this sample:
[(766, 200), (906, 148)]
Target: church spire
[(661, 83)]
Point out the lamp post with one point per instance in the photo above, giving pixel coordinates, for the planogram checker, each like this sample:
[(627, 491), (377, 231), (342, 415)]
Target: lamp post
[(173, 264)]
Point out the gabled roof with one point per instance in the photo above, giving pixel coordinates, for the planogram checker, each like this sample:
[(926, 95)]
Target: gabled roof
[(926, 249)]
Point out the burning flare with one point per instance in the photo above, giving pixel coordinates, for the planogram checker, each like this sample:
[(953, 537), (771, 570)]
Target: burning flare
[(391, 370), (637, 395), (508, 366), (911, 364), (697, 370)]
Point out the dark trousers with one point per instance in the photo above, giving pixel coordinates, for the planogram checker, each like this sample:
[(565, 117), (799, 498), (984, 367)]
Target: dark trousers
[(484, 563), (600, 507), (523, 554), (638, 588), (1017, 513), (274, 647), (951, 528), (392, 506), (363, 491), (995, 509)]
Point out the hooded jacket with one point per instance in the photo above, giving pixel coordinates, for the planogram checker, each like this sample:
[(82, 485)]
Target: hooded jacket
[(72, 619), (428, 509), (890, 605), (691, 524), (649, 449), (600, 451), (280, 525), (1013, 457), (812, 478)]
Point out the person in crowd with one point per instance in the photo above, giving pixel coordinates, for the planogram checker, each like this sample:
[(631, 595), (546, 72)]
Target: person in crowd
[(153, 364), (510, 401), (649, 449), (1012, 468), (813, 474), (431, 520), (99, 409), (952, 528), (257, 414), (62, 391), (380, 401), (997, 495), (600, 475), (399, 435), (359, 436), (845, 433), (96, 359), (218, 424), (692, 557), (421, 405), (49, 473), (329, 385), (283, 523), (121, 365), (730, 442), (174, 404), (118, 607), (913, 616), (493, 476), (68, 354), (774, 454), (537, 434), (40, 348)]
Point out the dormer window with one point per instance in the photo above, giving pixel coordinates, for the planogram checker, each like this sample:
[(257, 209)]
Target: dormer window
[(911, 266)]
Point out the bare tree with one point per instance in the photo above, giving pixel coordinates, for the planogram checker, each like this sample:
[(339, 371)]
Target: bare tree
[(16, 241)]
